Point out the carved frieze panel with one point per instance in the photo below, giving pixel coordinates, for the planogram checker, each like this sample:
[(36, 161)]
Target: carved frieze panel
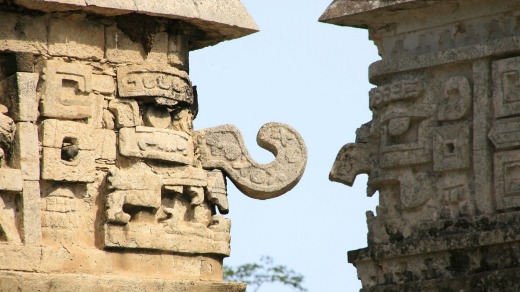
[(155, 143), (505, 133), (167, 85), (506, 87), (507, 179), (456, 99), (68, 151), (67, 88), (451, 149)]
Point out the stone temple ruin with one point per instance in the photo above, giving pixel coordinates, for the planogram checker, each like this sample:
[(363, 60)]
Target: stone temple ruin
[(104, 183), (443, 147)]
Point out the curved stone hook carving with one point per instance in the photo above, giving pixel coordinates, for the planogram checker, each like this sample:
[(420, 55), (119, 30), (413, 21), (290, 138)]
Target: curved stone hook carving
[(222, 147)]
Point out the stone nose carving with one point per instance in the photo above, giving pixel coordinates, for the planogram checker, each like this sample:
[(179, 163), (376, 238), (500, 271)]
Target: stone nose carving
[(222, 147), (352, 159)]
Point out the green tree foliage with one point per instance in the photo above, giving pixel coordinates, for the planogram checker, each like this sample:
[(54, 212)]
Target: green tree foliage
[(257, 274)]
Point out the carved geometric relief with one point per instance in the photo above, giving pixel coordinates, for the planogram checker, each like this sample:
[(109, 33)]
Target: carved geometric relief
[(167, 84), (456, 100), (404, 139), (404, 90), (505, 133), (155, 143), (68, 151), (126, 112), (455, 195), (507, 179), (143, 214), (67, 90), (506, 87), (451, 147), (415, 189)]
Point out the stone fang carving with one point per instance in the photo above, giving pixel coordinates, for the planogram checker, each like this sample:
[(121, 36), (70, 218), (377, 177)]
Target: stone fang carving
[(222, 147)]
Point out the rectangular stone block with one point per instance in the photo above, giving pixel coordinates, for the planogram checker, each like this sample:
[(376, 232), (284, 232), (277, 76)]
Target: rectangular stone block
[(507, 179), (55, 133), (79, 169), (104, 84), (451, 148), (31, 223), (18, 94), (159, 52), (184, 240), (105, 144), (76, 37), (506, 87), (178, 51), (121, 49), (67, 89), (154, 143), (11, 180), (26, 153), (23, 33), (126, 113)]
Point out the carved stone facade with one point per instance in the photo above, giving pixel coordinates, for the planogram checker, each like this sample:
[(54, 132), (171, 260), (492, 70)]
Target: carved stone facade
[(104, 183), (442, 149)]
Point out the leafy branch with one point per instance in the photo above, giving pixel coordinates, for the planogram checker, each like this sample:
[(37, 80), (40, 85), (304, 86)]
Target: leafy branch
[(256, 274)]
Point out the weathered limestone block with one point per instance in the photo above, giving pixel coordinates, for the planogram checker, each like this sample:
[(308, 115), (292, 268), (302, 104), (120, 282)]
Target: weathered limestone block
[(223, 148), (126, 112), (9, 219), (121, 49), (105, 145), (104, 84), (11, 180), (67, 88), (68, 151), (154, 143), (26, 152), (184, 240), (56, 132), (18, 94), (75, 37), (31, 222), (23, 33), (17, 281)]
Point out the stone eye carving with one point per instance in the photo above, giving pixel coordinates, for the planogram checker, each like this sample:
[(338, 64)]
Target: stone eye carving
[(222, 147)]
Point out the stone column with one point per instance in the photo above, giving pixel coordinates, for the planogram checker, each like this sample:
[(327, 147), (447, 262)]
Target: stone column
[(443, 147), (104, 183)]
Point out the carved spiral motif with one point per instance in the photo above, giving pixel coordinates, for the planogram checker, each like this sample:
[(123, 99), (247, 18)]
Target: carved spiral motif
[(222, 147)]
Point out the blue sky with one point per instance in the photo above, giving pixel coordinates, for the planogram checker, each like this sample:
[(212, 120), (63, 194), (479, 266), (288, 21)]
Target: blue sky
[(312, 76)]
